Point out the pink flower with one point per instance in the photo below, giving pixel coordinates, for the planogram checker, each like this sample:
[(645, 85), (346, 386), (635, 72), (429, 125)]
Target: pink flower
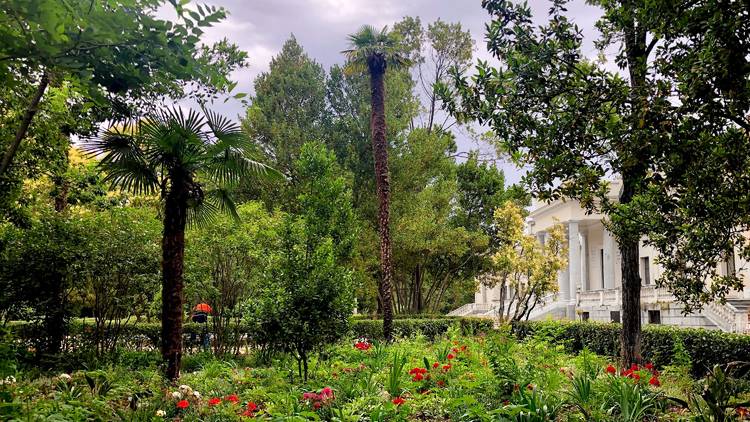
[(326, 393), (398, 401)]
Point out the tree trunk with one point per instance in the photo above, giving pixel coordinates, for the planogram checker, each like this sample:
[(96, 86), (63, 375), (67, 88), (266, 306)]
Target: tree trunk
[(28, 115), (380, 153), (632, 175), (418, 300), (173, 254), (630, 337)]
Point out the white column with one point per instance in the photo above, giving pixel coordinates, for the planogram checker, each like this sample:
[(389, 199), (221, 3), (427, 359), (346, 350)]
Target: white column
[(584, 262), (540, 236), (574, 259), (609, 260)]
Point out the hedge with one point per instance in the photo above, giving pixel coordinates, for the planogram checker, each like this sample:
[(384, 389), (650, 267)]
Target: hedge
[(144, 335), (705, 348)]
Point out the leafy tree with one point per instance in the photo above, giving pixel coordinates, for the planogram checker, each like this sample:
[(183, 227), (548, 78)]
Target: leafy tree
[(190, 160), (224, 267), (431, 252), (375, 51), (307, 298), (39, 269), (530, 269), (121, 259), (287, 110), (669, 129), (434, 52), (83, 45)]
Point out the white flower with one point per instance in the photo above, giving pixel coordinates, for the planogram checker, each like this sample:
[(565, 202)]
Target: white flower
[(10, 379), (197, 395), (185, 389), (176, 395), (160, 413), (65, 377)]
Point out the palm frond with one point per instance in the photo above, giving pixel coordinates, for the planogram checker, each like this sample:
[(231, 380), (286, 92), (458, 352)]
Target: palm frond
[(121, 157), (232, 166), (368, 42)]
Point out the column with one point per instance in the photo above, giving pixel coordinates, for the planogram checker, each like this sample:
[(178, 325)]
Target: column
[(574, 259), (609, 260), (584, 262)]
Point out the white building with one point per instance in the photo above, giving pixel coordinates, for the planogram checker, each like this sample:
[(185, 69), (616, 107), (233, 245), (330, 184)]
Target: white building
[(590, 288)]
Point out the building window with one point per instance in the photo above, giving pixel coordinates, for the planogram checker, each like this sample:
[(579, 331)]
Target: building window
[(729, 267), (645, 270), (654, 317), (585, 316), (614, 316), (601, 265)]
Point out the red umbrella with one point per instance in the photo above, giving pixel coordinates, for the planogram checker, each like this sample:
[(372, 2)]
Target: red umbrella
[(203, 307)]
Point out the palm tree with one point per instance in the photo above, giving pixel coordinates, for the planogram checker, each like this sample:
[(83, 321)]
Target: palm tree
[(374, 51), (190, 159)]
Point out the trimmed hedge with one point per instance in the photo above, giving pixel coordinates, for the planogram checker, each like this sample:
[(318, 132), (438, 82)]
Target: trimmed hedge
[(145, 336), (706, 348)]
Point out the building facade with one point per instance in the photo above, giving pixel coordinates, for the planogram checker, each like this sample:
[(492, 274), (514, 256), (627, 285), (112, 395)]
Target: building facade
[(590, 287)]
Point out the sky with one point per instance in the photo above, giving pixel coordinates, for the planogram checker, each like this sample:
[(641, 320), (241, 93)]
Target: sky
[(260, 28)]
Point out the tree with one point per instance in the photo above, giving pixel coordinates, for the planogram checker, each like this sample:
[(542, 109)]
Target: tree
[(434, 52), (190, 160), (307, 299), (39, 269), (225, 264), (288, 108), (576, 124), (433, 253), (120, 257), (84, 44), (375, 51), (524, 265)]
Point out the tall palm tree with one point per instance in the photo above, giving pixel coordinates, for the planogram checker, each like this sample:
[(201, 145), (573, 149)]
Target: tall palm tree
[(375, 51), (190, 159)]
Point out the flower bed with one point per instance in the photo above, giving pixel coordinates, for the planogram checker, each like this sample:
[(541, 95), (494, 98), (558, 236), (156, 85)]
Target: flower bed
[(486, 377)]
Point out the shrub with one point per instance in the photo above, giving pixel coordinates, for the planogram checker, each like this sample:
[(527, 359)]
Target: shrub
[(705, 348)]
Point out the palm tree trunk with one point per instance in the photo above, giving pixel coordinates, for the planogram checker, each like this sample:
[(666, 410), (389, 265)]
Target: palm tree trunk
[(380, 153), (173, 254)]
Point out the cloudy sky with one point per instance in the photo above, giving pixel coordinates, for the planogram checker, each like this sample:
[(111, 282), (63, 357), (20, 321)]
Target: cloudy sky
[(260, 27)]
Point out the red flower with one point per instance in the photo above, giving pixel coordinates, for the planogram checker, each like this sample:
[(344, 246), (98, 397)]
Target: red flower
[(317, 405), (650, 366), (446, 368), (213, 401), (398, 401), (450, 356), (441, 383), (183, 404), (454, 350), (363, 345), (654, 381), (436, 364), (611, 370), (417, 377), (250, 410), (326, 393), (634, 367), (463, 348), (636, 377), (232, 398)]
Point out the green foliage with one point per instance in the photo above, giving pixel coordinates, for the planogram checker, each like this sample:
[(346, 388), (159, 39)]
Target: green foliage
[(704, 348), (306, 299)]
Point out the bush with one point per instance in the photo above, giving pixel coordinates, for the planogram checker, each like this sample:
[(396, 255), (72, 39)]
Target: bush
[(705, 348), (430, 328)]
